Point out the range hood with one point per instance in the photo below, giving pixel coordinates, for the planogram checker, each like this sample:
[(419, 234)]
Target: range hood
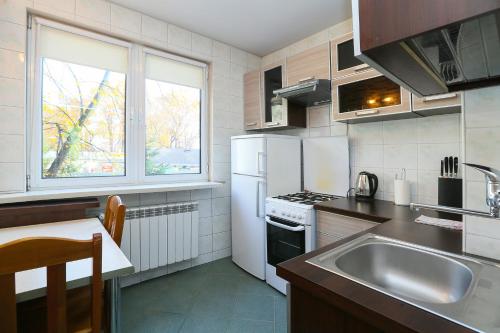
[(459, 51), (311, 92)]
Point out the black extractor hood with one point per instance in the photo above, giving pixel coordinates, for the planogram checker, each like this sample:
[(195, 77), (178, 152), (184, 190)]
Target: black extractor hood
[(310, 92), (430, 46)]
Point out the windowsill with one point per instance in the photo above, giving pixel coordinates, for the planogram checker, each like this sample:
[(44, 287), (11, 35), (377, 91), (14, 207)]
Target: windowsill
[(101, 191)]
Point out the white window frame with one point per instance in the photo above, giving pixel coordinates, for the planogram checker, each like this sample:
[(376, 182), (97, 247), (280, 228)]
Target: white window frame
[(203, 175), (135, 131)]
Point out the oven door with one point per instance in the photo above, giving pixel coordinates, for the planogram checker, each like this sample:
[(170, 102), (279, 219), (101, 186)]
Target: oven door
[(285, 240)]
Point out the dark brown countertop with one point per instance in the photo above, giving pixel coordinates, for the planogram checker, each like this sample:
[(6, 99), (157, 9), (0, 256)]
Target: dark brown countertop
[(385, 312)]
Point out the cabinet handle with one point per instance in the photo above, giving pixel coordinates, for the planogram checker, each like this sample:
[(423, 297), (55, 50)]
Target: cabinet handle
[(439, 97), (272, 124), (251, 124), (362, 67), (366, 113), (306, 79)]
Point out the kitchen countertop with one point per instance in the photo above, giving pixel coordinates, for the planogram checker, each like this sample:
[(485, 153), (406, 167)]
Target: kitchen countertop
[(388, 313)]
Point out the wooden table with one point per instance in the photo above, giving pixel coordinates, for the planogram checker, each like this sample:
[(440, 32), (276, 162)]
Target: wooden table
[(32, 283)]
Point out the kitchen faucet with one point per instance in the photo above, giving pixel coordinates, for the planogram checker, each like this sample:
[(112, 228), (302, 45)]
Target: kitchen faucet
[(492, 177)]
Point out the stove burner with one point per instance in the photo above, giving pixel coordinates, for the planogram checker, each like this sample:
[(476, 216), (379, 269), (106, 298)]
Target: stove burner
[(307, 198)]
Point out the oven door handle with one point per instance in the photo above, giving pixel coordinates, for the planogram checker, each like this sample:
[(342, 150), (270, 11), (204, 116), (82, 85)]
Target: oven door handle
[(284, 226)]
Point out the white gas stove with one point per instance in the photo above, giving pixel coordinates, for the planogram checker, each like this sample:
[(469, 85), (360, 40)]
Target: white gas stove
[(296, 207), (291, 230)]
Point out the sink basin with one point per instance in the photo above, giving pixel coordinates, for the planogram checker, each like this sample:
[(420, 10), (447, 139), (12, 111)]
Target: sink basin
[(405, 271), (462, 289)]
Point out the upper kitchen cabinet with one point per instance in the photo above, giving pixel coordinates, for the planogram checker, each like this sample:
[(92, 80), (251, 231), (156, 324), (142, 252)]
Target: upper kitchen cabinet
[(252, 101), (308, 65), (430, 47), (343, 60), (369, 96), (437, 104), (278, 112)]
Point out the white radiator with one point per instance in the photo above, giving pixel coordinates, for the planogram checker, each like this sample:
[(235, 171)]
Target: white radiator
[(160, 235)]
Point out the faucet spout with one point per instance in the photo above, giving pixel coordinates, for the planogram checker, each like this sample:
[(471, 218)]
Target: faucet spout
[(446, 209)]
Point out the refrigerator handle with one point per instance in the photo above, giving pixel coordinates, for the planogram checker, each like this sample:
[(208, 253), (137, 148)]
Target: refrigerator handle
[(259, 171), (258, 199)]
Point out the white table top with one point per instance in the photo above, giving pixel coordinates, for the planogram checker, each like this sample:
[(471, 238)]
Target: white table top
[(32, 283)]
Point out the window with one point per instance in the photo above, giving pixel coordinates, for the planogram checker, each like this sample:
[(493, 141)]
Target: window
[(89, 124), (173, 93)]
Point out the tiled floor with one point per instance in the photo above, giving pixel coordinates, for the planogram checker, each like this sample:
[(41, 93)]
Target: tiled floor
[(215, 297)]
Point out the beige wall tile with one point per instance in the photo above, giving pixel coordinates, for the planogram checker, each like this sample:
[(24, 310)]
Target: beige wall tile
[(11, 120), (179, 37), (12, 177), (59, 5), (12, 36), (221, 51), (96, 10), (14, 11), (125, 19), (11, 64), (319, 116), (12, 148), (201, 44), (153, 28), (11, 92)]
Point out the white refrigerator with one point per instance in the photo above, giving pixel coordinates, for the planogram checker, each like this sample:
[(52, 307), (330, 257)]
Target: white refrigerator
[(262, 165)]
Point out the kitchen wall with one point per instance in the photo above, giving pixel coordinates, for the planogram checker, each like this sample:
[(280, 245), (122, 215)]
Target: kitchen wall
[(418, 145), (482, 146), (385, 147), (228, 64)]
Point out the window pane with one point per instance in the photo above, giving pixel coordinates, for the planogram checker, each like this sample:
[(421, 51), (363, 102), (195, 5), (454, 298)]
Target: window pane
[(83, 114), (172, 128)]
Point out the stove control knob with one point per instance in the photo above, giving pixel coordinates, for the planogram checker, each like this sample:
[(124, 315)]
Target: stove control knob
[(294, 216), (300, 217)]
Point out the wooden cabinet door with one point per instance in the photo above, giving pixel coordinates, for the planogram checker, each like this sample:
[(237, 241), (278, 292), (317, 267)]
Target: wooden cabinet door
[(312, 63), (252, 100), (446, 102), (332, 227)]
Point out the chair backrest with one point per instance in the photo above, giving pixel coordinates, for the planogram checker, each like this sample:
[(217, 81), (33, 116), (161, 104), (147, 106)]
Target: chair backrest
[(53, 253), (114, 218)]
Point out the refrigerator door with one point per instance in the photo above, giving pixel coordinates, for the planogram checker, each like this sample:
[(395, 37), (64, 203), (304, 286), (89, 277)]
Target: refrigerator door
[(248, 224), (326, 165), (248, 156)]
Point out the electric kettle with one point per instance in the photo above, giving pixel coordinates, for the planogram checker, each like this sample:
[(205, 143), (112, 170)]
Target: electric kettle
[(366, 185)]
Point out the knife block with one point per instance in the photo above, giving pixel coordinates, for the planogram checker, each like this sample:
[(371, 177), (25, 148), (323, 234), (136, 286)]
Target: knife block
[(450, 194)]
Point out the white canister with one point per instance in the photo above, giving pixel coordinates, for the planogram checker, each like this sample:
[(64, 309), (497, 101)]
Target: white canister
[(402, 192)]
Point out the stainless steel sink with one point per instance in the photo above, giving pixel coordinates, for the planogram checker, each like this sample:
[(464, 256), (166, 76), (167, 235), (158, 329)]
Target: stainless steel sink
[(460, 288), (405, 271)]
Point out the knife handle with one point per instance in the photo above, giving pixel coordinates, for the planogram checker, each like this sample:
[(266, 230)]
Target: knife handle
[(450, 166), (446, 166), (455, 166)]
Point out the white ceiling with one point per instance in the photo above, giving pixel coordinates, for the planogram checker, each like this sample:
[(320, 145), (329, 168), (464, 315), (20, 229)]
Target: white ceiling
[(257, 26)]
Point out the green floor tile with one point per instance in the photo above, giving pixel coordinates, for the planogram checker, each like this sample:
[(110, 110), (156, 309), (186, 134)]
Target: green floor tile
[(250, 326), (215, 297), (256, 307)]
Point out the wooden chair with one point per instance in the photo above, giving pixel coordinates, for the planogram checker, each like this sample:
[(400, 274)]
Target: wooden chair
[(53, 253), (114, 218)]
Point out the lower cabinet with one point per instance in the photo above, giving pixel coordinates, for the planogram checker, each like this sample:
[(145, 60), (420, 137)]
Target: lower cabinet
[(332, 227)]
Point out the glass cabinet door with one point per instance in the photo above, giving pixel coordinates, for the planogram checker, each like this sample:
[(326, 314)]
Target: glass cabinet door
[(273, 79), (368, 94), (343, 60), (345, 55), (371, 93)]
